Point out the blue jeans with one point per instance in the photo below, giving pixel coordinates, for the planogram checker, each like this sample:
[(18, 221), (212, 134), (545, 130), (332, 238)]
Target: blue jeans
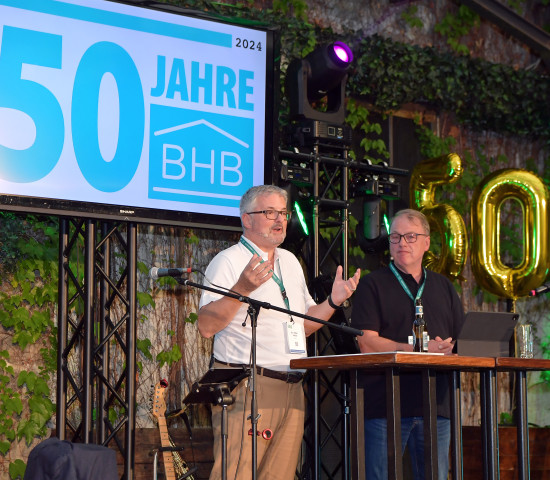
[(412, 435)]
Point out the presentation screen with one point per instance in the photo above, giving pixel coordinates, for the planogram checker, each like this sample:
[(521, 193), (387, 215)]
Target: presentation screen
[(114, 110)]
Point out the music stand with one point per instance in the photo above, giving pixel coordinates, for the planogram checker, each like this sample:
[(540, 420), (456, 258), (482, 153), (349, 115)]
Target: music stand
[(215, 388)]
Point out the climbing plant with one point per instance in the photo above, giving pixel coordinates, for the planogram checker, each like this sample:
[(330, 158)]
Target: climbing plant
[(481, 95), (28, 297), (457, 25), (389, 74), (26, 311)]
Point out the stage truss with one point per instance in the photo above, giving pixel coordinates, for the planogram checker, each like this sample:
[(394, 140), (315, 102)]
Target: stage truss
[(96, 381), (326, 440)]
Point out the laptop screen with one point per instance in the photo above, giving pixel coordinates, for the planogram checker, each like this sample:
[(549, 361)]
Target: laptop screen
[(487, 334)]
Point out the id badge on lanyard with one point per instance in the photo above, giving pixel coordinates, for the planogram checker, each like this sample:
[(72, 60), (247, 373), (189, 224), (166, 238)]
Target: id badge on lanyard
[(295, 337)]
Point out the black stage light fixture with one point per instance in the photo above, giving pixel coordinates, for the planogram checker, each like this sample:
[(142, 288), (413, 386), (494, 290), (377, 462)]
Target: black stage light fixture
[(300, 226), (321, 74), (372, 231), (372, 218)]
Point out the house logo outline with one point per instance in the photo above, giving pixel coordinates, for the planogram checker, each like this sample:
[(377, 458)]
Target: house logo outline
[(202, 121)]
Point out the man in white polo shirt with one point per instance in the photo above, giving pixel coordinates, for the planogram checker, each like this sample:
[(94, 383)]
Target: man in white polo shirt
[(256, 268)]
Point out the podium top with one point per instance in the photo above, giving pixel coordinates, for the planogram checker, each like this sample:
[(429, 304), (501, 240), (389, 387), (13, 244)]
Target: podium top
[(394, 359), (417, 360), (512, 363)]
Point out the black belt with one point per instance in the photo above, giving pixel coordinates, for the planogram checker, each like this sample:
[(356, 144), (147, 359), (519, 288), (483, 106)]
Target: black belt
[(288, 377)]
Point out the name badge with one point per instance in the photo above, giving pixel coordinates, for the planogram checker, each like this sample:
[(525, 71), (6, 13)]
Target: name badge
[(295, 337)]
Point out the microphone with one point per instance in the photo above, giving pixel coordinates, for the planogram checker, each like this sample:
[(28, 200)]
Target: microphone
[(156, 273), (544, 288)]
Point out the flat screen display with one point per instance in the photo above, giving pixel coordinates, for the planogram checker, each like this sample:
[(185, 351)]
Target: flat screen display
[(109, 109)]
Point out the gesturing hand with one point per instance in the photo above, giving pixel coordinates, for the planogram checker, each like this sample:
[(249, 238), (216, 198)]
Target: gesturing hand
[(343, 289), (256, 273)]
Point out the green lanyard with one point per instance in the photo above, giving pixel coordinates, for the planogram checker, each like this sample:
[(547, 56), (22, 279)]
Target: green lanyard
[(404, 285), (278, 281)]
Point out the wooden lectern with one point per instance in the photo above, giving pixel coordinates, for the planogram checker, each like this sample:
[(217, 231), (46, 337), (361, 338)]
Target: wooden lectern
[(392, 364)]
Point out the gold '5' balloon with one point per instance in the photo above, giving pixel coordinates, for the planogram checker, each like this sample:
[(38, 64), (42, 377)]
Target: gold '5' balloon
[(426, 176), (489, 271)]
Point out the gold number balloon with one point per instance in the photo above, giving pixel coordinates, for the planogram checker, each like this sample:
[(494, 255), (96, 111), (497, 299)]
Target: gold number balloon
[(488, 268), (426, 176)]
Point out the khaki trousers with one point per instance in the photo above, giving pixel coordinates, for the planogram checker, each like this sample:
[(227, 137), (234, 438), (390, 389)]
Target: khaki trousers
[(281, 410)]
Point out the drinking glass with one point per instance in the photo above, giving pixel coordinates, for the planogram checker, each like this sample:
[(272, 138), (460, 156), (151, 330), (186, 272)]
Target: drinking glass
[(524, 340)]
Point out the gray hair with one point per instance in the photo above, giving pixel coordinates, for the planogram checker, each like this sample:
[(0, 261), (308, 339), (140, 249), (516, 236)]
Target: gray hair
[(248, 200), (413, 216)]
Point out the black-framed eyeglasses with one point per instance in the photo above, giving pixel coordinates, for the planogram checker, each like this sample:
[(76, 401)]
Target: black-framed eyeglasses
[(274, 214), (409, 237)]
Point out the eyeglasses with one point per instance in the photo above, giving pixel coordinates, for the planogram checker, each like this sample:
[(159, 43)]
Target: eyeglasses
[(409, 237), (274, 214)]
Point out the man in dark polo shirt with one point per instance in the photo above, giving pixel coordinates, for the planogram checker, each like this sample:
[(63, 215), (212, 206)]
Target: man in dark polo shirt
[(384, 308)]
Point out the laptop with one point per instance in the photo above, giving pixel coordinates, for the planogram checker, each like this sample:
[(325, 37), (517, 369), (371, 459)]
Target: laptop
[(487, 334)]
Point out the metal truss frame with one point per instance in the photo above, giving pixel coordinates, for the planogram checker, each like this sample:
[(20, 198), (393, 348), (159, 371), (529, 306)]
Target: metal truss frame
[(327, 392), (96, 381), (327, 425)]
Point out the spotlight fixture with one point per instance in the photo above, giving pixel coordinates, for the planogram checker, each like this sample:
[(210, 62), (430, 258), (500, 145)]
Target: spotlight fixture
[(321, 74), (300, 226), (372, 231)]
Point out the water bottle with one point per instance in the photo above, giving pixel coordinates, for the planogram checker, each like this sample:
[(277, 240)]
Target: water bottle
[(419, 326)]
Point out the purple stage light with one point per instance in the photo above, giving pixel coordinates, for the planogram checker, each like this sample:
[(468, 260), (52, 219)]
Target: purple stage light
[(321, 74), (343, 52)]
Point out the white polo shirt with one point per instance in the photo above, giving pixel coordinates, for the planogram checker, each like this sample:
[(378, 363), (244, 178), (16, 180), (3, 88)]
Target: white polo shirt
[(232, 344)]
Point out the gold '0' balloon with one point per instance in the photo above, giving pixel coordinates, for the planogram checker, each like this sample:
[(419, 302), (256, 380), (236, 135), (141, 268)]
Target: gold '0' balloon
[(426, 176), (491, 274)]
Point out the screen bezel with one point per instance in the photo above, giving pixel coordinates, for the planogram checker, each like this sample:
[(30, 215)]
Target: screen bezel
[(157, 216)]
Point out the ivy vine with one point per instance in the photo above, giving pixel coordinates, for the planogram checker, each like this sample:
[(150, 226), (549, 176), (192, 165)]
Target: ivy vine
[(482, 96), (388, 74), (26, 310), (455, 26), (29, 258)]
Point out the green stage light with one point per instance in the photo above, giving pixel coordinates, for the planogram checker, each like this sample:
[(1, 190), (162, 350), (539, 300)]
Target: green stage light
[(301, 217), (386, 223)]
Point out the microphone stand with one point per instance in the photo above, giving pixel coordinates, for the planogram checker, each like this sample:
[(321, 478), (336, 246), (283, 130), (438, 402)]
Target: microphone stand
[(254, 307), (253, 313)]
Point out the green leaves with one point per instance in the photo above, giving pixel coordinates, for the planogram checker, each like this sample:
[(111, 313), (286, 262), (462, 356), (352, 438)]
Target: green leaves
[(169, 356), (26, 314), (39, 405), (409, 15), (11, 404), (28, 429), (287, 7), (144, 346), (483, 95), (4, 447), (35, 384), (145, 299), (41, 409), (456, 26), (432, 146), (358, 118), (17, 469)]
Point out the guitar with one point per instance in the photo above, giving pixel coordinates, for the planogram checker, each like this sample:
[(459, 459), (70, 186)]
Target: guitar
[(174, 466)]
